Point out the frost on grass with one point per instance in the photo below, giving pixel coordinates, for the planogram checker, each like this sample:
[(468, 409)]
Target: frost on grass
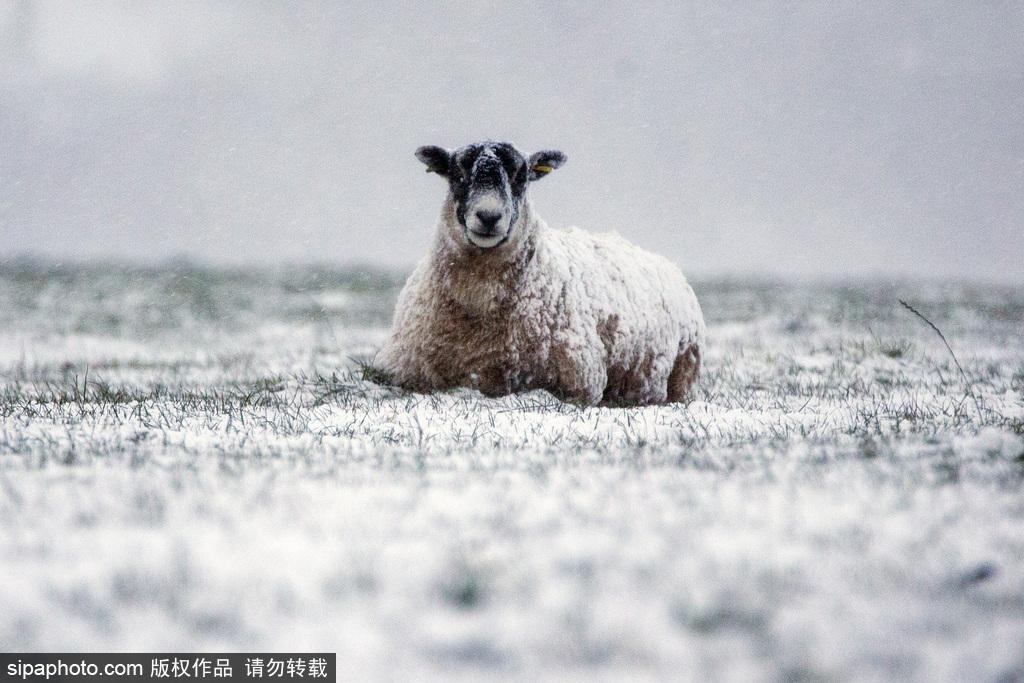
[(197, 459)]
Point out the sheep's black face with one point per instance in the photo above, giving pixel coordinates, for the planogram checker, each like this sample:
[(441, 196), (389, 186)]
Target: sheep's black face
[(488, 182)]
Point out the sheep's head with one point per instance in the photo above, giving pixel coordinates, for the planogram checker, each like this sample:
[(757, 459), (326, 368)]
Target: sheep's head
[(487, 182)]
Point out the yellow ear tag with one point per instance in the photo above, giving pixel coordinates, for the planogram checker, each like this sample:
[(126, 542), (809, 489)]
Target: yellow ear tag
[(541, 168)]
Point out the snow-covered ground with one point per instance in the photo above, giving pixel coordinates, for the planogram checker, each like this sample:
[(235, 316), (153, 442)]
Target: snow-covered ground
[(191, 460)]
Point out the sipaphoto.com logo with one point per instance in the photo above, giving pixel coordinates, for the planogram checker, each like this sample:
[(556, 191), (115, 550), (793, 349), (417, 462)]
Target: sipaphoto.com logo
[(71, 669), (142, 667)]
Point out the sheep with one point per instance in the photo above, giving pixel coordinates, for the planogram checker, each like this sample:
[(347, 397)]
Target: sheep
[(502, 303)]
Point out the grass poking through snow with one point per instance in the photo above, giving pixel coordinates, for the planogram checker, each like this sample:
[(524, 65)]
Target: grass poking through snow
[(200, 459)]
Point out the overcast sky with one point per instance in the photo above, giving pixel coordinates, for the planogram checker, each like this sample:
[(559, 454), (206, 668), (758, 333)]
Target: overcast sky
[(792, 138)]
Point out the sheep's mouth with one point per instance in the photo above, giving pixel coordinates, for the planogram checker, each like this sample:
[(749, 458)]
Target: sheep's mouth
[(486, 239)]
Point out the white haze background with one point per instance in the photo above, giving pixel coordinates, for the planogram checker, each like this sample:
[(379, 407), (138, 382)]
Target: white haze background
[(816, 139)]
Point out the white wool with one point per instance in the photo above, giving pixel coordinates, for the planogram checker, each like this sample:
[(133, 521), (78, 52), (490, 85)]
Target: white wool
[(581, 314)]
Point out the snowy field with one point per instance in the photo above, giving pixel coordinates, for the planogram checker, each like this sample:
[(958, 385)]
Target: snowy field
[(191, 459)]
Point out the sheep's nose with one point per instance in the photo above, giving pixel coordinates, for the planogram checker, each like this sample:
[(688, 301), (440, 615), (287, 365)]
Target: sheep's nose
[(488, 219)]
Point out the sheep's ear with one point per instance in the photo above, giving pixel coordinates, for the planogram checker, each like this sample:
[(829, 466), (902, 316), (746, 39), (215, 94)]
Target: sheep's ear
[(544, 162), (437, 159)]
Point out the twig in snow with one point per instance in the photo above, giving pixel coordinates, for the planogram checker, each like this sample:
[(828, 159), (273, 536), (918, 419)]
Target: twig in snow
[(941, 336), (969, 387)]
